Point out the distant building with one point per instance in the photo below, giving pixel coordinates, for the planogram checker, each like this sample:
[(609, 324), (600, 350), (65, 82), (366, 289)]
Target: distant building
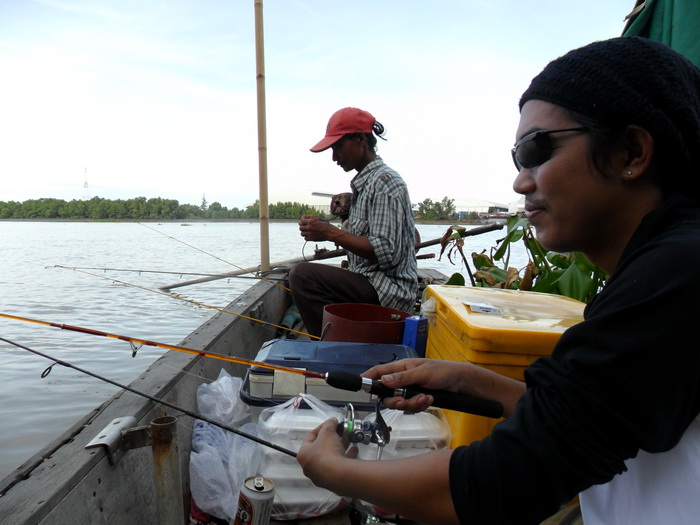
[(488, 210), (323, 209), (465, 206), (517, 206)]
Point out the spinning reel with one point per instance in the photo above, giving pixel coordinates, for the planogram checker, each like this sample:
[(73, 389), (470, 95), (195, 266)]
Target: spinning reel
[(353, 430)]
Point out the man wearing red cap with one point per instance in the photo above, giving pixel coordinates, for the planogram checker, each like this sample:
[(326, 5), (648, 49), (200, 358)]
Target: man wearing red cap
[(379, 238)]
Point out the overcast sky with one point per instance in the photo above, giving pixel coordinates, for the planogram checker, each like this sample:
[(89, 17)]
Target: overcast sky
[(158, 98)]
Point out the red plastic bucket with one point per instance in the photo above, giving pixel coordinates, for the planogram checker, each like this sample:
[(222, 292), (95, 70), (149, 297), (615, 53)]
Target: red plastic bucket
[(363, 323)]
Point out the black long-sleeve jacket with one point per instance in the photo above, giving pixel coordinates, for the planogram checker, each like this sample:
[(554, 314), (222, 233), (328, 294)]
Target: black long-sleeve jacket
[(625, 379)]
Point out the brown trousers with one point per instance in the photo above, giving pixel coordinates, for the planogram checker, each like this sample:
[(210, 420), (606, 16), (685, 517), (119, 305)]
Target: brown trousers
[(316, 285)]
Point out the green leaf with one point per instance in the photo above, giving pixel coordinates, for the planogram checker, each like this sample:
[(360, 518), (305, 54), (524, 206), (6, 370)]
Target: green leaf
[(547, 282), (574, 283), (568, 274), (559, 260), (511, 237), (516, 222), (457, 279), (498, 273), (481, 261)]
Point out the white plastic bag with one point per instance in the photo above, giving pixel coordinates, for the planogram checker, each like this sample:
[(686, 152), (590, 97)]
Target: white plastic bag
[(220, 401), (219, 463), (287, 425), (221, 460)]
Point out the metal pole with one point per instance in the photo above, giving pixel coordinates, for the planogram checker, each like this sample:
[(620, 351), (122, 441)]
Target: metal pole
[(170, 507), (262, 137)]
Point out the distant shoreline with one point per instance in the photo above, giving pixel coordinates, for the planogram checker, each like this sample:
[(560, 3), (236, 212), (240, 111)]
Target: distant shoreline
[(193, 221)]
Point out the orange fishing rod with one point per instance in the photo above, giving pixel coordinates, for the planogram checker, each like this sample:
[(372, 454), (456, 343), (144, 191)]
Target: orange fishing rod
[(337, 379), (135, 340)]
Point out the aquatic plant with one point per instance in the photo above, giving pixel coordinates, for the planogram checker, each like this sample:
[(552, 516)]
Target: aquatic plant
[(568, 274)]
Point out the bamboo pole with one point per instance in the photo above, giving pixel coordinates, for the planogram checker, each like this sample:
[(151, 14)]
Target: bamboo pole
[(262, 137)]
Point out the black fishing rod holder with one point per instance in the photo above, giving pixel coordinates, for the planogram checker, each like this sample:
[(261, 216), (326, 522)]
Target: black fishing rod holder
[(121, 436)]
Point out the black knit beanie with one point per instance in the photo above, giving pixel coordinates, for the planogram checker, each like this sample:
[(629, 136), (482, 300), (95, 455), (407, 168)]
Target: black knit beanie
[(631, 80)]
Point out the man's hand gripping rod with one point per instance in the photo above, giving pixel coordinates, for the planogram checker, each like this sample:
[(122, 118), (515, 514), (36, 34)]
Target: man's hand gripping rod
[(442, 399)]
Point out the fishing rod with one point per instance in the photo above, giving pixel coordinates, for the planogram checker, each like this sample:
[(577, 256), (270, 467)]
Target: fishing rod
[(149, 397), (370, 433), (318, 256), (189, 245), (191, 301), (242, 270), (336, 378), (146, 342), (465, 233), (133, 270), (328, 254)]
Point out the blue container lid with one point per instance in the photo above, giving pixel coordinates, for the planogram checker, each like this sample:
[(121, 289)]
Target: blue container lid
[(324, 356)]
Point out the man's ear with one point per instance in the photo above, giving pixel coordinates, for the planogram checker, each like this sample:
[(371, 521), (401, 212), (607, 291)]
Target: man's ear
[(639, 148), (361, 139)]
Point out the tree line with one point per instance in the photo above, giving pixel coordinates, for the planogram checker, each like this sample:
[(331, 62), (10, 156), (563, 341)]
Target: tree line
[(140, 208), (443, 210)]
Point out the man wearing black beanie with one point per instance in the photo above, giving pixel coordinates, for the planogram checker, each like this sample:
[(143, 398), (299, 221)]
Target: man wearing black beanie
[(633, 80), (607, 153)]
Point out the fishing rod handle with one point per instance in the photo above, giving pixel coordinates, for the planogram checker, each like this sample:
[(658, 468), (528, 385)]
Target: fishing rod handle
[(442, 399), (459, 402)]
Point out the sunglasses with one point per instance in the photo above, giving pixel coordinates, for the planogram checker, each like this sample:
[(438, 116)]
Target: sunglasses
[(536, 148)]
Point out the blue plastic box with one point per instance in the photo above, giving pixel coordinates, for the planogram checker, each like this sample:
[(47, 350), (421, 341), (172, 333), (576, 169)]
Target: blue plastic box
[(263, 387), (415, 333)]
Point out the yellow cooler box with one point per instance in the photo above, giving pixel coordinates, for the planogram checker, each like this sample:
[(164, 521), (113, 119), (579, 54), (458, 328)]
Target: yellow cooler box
[(502, 330)]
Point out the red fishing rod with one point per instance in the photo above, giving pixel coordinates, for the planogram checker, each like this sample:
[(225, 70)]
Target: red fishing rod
[(337, 379), (166, 346)]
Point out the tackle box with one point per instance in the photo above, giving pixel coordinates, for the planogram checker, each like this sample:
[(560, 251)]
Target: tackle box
[(502, 330), (263, 387)]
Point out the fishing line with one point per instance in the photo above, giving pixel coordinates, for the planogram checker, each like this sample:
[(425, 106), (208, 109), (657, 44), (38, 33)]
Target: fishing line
[(133, 270), (212, 255), (185, 411), (135, 340), (191, 301)]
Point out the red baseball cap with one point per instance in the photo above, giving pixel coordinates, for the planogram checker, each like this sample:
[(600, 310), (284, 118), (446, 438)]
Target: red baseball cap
[(342, 122)]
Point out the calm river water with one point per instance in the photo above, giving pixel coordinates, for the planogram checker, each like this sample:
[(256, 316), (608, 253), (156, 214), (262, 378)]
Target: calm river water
[(35, 410)]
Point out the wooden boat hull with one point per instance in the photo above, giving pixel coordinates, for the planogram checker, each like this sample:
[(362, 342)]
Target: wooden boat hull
[(67, 483)]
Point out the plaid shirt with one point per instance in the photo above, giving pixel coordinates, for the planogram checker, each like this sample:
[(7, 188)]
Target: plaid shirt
[(381, 211)]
